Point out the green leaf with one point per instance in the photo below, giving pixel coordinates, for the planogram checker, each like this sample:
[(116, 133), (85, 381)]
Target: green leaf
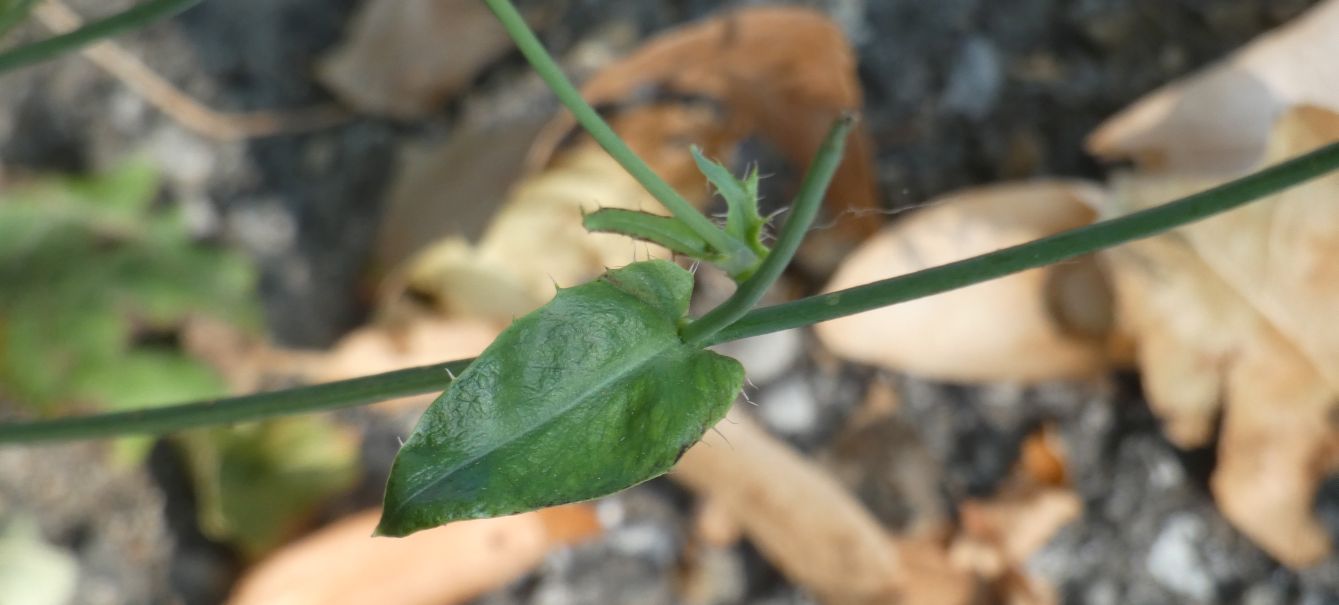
[(663, 231), (742, 220), (590, 394), (124, 193), (258, 484), (88, 266), (147, 377)]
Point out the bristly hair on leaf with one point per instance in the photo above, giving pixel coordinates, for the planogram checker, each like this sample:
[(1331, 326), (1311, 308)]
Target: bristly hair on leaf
[(743, 222), (592, 393), (664, 231)]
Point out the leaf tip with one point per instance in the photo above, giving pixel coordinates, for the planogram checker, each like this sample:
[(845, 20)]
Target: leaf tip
[(383, 530)]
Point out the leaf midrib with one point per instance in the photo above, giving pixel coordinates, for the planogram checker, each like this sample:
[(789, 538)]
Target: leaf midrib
[(626, 369)]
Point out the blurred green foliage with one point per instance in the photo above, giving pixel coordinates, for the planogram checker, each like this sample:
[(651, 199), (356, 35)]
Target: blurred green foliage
[(96, 280), (13, 12), (257, 483)]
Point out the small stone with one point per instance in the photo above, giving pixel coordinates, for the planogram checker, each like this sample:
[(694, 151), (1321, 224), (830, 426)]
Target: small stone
[(650, 541), (975, 80), (1175, 563), (182, 157), (265, 228), (128, 112), (715, 576), (1264, 594), (1103, 593), (611, 512), (767, 357), (789, 407), (850, 16)]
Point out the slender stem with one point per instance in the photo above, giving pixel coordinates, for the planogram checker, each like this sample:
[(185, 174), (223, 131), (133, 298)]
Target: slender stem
[(121, 22), (329, 396), (740, 257), (1053, 249), (802, 213), (803, 312)]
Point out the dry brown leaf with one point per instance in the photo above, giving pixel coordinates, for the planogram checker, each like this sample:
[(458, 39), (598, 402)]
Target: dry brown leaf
[(392, 346), (782, 73), (999, 535), (1278, 443), (1237, 310), (810, 527), (1199, 343), (1041, 457), (403, 58), (1035, 325), (1185, 323), (933, 578), (250, 364), (536, 242), (1280, 254), (715, 525), (803, 521), (1219, 121), (1021, 522), (449, 188), (372, 350), (342, 563)]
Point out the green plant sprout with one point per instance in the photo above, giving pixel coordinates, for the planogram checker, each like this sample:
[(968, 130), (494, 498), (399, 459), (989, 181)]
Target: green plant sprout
[(610, 382)]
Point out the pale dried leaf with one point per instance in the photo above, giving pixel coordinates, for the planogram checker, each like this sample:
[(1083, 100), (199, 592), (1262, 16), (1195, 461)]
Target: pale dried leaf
[(1035, 325), (389, 347), (1280, 254), (810, 527), (1236, 311), (342, 563), (1219, 121), (1278, 443), (1020, 523), (373, 350), (1199, 343), (1186, 325), (999, 535), (536, 243), (1041, 457), (715, 525), (933, 578), (801, 519)]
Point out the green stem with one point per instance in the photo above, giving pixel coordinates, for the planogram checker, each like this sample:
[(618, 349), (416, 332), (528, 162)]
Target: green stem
[(802, 214), (329, 396), (795, 314), (121, 22), (1038, 253), (741, 259)]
